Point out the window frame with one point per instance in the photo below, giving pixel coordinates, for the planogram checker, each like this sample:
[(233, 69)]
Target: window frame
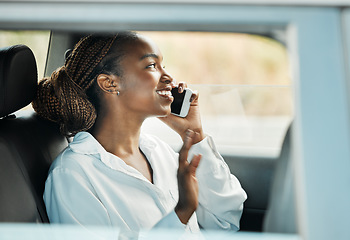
[(321, 126)]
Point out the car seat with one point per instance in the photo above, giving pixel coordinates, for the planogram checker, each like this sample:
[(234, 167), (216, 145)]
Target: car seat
[(281, 212), (28, 143)]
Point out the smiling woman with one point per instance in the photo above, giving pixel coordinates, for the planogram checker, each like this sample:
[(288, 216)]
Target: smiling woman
[(111, 174)]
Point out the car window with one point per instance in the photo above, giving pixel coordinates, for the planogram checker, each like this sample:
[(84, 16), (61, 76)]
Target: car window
[(243, 81), (37, 41), (244, 84)]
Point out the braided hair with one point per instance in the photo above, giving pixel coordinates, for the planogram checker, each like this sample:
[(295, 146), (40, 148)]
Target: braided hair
[(70, 96)]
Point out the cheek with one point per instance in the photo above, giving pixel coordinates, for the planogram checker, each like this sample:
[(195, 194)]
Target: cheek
[(141, 79), (140, 91)]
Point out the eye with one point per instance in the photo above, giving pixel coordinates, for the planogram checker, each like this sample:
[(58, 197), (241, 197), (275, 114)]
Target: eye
[(152, 65)]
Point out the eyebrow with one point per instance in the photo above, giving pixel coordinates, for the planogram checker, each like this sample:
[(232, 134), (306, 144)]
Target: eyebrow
[(149, 55)]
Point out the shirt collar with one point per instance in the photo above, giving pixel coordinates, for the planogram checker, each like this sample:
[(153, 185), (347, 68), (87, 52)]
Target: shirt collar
[(85, 143)]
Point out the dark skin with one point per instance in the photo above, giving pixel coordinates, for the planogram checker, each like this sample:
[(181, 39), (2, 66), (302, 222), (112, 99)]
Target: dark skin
[(144, 92)]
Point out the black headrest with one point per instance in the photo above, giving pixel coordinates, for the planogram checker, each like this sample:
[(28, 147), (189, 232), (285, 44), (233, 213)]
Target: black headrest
[(18, 78)]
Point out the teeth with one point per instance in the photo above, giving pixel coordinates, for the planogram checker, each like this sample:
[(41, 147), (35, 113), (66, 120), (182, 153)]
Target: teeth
[(164, 93)]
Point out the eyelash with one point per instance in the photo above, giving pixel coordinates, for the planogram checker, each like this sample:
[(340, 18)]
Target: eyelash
[(153, 65)]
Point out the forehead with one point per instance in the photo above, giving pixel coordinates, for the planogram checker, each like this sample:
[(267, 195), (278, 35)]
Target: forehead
[(142, 47)]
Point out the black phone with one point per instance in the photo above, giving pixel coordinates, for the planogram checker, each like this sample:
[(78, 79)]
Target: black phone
[(181, 104)]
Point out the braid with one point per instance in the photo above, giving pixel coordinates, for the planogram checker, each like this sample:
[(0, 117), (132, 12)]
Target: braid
[(80, 66), (62, 97)]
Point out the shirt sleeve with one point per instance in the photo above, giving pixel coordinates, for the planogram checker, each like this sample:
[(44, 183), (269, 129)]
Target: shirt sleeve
[(171, 220), (221, 196), (70, 199)]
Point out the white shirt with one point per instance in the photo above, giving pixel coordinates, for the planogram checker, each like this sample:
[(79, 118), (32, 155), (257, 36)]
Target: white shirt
[(89, 186)]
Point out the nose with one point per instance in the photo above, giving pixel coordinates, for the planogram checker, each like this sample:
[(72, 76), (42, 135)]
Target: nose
[(170, 81), (167, 78)]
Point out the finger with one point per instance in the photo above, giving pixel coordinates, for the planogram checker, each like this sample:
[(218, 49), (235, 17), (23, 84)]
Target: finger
[(183, 154), (194, 164), (182, 86), (194, 96)]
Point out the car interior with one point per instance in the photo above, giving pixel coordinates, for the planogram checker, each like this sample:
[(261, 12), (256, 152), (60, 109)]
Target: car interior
[(29, 144)]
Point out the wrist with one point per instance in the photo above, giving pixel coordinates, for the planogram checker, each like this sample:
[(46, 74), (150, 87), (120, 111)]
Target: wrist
[(183, 215)]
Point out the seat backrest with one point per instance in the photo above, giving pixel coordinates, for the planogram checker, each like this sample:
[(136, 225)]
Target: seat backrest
[(28, 143), (281, 216)]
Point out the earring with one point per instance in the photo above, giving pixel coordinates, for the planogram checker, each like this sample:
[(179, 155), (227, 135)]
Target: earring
[(118, 93)]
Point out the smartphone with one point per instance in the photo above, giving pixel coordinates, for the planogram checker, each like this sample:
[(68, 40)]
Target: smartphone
[(181, 104)]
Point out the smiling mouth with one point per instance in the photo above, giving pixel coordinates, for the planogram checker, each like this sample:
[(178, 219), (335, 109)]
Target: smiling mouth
[(165, 94)]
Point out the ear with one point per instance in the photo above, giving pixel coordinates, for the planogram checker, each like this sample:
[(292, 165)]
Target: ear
[(108, 83)]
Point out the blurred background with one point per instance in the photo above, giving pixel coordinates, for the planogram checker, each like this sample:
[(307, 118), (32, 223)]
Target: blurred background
[(244, 84)]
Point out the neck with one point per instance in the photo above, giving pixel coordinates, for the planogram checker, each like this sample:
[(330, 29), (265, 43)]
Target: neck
[(118, 133)]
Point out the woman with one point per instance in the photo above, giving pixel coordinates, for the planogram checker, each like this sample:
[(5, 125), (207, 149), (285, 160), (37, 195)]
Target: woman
[(111, 174)]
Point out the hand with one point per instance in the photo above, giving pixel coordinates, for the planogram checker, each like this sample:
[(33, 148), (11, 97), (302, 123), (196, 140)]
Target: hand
[(187, 181), (192, 121)]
